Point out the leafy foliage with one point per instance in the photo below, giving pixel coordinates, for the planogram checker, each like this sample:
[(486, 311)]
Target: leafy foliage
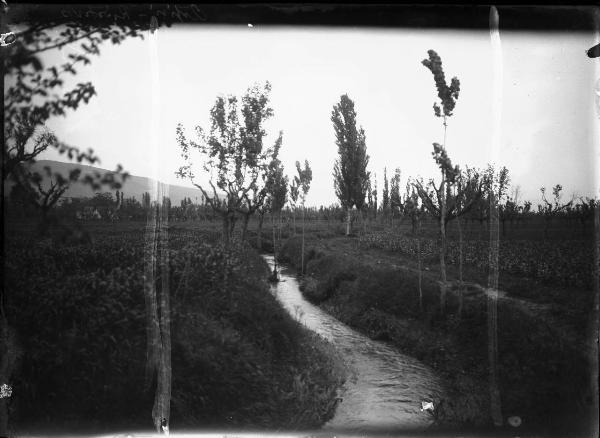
[(350, 169), (79, 312), (34, 93), (567, 262), (234, 151), (533, 366), (447, 94)]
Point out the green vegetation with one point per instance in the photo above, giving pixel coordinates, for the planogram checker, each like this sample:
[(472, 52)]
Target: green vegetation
[(543, 374), (96, 311), (569, 262), (350, 175), (238, 359)]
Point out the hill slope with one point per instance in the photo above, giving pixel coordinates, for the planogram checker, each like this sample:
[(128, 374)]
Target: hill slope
[(134, 186)]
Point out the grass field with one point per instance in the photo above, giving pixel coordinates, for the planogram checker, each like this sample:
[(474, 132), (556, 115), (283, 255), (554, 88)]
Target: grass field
[(239, 360), (370, 282), (236, 353)]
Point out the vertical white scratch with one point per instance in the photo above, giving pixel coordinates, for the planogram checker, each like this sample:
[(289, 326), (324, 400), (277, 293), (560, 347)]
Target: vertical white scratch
[(596, 96), (595, 326), (497, 79), (155, 111), (492, 304)]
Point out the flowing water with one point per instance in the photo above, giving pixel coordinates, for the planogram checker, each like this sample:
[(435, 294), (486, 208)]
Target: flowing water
[(384, 389)]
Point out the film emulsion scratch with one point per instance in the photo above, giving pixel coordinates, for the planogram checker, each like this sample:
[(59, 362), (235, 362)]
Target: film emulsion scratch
[(324, 220)]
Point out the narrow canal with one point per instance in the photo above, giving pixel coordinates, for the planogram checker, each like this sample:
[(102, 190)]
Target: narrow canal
[(385, 388)]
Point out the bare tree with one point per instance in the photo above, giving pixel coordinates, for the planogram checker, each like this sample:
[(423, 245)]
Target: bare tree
[(551, 210)]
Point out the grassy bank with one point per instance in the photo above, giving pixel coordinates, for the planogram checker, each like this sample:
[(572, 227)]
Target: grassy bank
[(238, 359), (542, 379)]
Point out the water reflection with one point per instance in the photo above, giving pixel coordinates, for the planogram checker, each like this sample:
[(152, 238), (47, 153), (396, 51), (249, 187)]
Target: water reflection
[(385, 388)]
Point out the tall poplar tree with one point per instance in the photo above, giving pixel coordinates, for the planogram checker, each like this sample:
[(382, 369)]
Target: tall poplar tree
[(303, 180), (395, 198), (375, 206), (448, 96), (385, 203), (350, 169)]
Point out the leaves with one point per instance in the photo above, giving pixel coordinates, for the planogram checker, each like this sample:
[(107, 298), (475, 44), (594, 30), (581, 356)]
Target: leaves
[(350, 169), (447, 94), (567, 262), (304, 178), (233, 154)]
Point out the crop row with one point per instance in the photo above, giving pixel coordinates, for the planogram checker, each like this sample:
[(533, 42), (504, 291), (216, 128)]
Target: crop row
[(79, 312), (568, 262)]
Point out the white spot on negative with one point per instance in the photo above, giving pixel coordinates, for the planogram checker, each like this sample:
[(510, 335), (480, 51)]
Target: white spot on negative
[(426, 406)]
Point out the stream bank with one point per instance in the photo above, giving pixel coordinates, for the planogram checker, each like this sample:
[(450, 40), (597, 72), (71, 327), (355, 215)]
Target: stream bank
[(385, 388), (239, 361), (542, 381)]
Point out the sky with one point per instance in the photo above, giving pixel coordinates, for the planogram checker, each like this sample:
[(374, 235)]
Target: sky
[(548, 132)]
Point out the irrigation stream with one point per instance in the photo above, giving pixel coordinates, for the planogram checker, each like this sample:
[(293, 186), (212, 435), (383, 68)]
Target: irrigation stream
[(384, 389)]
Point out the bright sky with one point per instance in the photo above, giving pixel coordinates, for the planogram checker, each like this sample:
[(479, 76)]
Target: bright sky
[(549, 128)]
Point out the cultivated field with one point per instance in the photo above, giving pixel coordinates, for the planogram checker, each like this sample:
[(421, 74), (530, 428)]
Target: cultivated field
[(238, 360)]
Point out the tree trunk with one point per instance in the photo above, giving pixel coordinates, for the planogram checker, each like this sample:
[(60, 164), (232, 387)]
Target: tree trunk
[(232, 221), (279, 226), (443, 245), (492, 314), (420, 263), (245, 225), (294, 222), (261, 218), (302, 258), (348, 218), (363, 219), (226, 228), (274, 245)]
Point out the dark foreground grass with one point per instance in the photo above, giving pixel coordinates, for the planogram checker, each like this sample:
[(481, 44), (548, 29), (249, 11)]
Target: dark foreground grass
[(542, 380), (238, 359)]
